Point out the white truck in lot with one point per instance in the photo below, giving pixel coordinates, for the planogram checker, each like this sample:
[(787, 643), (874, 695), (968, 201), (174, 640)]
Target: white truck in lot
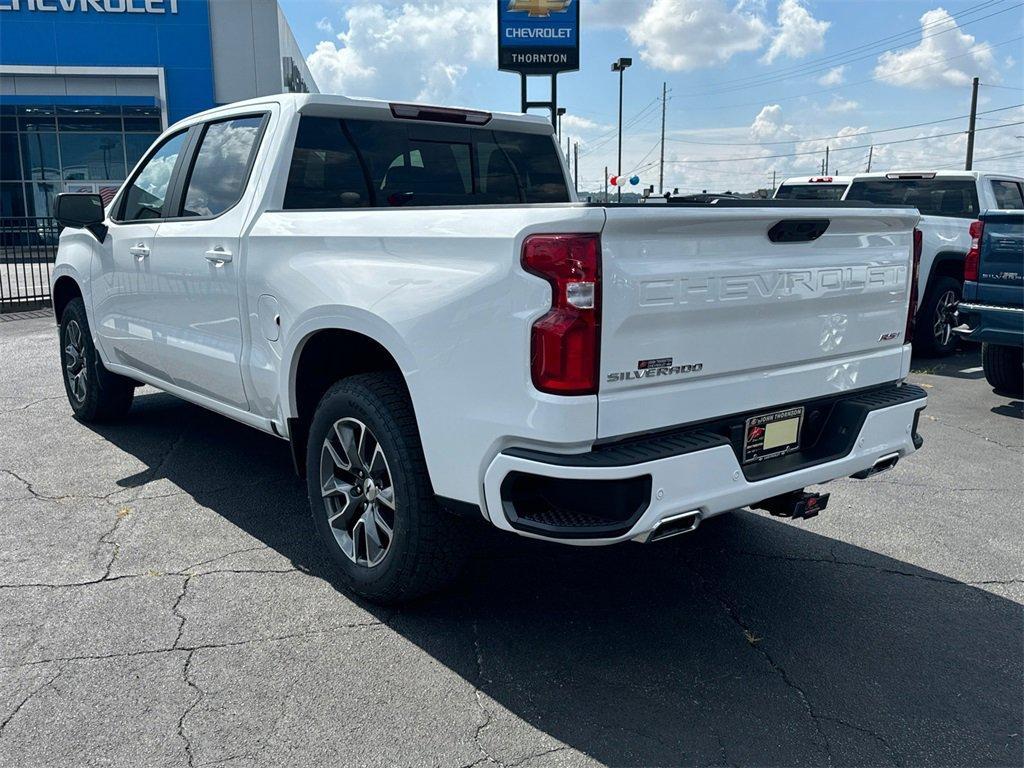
[(812, 188), (414, 298), (949, 201)]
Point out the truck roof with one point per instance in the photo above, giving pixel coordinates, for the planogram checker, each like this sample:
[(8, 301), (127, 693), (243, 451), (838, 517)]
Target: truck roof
[(377, 109), (817, 179), (942, 174)]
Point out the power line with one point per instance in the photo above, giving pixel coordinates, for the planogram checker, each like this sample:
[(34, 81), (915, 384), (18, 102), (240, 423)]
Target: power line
[(845, 149), (932, 64), (845, 136), (808, 68)]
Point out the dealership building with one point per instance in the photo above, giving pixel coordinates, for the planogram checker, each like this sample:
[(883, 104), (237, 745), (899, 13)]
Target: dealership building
[(87, 85)]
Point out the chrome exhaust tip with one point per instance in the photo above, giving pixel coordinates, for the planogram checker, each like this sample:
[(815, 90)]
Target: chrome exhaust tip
[(675, 525), (883, 464)]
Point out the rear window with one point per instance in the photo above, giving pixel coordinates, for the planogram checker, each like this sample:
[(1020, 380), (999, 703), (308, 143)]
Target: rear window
[(810, 192), (955, 198), (1008, 195), (345, 163)]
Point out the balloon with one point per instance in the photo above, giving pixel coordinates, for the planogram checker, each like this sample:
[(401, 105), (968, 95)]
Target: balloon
[(634, 180), (613, 180)]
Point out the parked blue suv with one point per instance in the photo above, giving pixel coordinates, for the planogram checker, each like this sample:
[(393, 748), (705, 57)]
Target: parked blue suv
[(992, 308)]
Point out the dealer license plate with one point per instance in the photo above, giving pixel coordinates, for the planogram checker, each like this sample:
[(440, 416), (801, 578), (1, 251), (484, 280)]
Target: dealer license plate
[(772, 434)]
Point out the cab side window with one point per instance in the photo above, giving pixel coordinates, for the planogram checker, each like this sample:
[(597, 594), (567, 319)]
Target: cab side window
[(1008, 195), (147, 192), (221, 166)]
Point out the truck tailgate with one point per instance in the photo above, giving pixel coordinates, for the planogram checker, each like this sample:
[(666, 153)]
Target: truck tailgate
[(703, 315)]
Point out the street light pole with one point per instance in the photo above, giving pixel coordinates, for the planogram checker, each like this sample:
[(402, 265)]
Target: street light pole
[(620, 66)]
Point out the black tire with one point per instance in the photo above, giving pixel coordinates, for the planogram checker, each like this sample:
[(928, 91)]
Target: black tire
[(1004, 368), (95, 394), (933, 309), (427, 549)]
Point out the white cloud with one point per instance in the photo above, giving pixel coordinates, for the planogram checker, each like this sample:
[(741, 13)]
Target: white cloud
[(842, 105), (419, 52), (797, 34), (769, 125), (949, 58), (679, 35), (834, 76), (576, 123), (324, 25)]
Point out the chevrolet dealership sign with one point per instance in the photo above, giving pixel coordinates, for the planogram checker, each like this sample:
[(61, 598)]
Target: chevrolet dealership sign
[(538, 37), (94, 6)]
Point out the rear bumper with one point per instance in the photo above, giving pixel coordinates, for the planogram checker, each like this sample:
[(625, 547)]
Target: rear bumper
[(990, 323), (623, 491)]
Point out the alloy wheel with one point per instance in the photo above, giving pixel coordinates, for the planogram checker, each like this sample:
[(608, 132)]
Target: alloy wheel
[(943, 325), (75, 367), (358, 493)]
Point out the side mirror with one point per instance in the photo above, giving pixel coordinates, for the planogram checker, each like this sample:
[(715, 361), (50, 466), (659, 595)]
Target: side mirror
[(81, 211)]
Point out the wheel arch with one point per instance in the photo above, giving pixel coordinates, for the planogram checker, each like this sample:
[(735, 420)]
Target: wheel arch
[(324, 354), (65, 290), (946, 264)]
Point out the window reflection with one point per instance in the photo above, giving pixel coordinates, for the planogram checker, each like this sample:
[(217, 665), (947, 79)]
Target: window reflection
[(221, 166)]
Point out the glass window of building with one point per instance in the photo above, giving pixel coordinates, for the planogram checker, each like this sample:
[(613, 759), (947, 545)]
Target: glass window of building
[(46, 149)]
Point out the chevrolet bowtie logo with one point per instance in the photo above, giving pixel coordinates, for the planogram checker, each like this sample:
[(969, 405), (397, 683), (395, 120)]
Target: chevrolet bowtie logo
[(539, 7)]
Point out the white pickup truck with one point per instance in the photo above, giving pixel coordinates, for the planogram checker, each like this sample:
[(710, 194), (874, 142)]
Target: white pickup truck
[(415, 299), (949, 201)]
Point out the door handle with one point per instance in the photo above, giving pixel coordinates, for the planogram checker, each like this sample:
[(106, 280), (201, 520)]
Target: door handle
[(219, 256), (139, 251)]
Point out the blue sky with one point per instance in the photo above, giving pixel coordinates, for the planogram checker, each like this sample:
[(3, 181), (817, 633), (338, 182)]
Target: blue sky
[(749, 79)]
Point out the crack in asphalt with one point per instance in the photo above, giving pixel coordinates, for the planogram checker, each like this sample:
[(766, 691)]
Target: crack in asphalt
[(869, 567), (734, 614), (31, 694), (867, 731), (971, 432), (365, 625), (26, 406), (478, 694)]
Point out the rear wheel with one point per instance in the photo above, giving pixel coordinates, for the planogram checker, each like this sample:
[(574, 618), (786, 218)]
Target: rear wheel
[(934, 336), (370, 493), (95, 394), (1004, 368)]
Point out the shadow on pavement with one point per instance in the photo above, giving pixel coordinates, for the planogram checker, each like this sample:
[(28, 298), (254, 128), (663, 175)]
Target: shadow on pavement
[(1014, 409), (964, 363), (751, 642)]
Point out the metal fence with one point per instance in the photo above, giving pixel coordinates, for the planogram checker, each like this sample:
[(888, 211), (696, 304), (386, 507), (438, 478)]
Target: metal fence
[(28, 248)]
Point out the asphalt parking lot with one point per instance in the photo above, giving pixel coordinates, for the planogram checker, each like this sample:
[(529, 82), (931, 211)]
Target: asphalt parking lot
[(164, 603)]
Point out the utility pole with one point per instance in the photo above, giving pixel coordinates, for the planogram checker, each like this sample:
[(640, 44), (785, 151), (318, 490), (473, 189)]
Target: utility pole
[(970, 126), (661, 166), (576, 164), (620, 67), (773, 183), (826, 159), (606, 183), (567, 154), (871, 152), (559, 111)]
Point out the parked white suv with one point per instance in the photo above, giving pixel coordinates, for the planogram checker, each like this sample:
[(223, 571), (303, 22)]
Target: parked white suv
[(413, 297), (948, 201)]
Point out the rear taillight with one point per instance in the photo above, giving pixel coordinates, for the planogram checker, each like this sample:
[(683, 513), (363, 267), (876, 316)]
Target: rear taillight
[(974, 254), (915, 270), (565, 342)]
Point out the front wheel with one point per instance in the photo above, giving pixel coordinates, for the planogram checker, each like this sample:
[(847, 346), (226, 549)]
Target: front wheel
[(370, 494), (1003, 368), (934, 336), (95, 394)]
